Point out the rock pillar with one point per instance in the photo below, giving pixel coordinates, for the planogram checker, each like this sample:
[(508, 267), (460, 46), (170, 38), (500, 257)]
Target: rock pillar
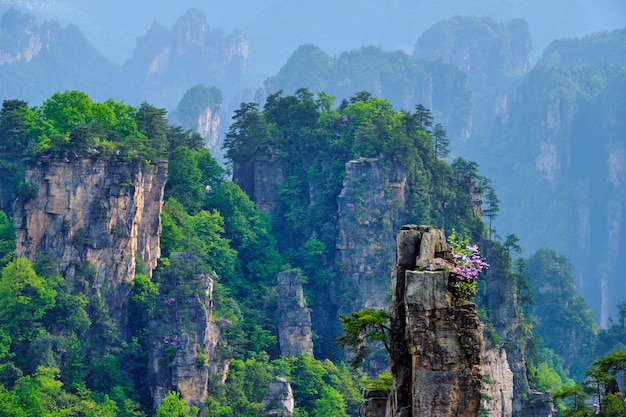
[(436, 343), (294, 318)]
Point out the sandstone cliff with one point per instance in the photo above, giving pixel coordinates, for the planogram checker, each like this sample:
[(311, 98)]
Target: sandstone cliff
[(97, 220), (186, 344), (369, 211), (96, 213), (279, 398), (497, 383), (294, 318), (436, 341)]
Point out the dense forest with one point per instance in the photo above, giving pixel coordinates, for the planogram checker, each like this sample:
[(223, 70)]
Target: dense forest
[(62, 354)]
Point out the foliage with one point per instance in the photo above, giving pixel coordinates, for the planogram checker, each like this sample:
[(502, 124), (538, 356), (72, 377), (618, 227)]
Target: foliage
[(564, 321), (602, 385), (361, 329), (174, 406), (69, 125), (468, 264), (383, 382)]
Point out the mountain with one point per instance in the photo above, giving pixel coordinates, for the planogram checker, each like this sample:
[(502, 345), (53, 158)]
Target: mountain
[(37, 60), (276, 28), (558, 162)]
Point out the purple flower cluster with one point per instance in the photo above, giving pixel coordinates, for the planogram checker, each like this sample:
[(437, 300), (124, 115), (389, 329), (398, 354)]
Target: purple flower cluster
[(468, 264), (169, 301), (172, 341), (207, 277), (596, 405)]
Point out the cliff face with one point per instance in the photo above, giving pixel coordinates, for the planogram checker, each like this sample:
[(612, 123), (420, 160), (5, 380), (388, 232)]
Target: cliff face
[(492, 55), (186, 343), (436, 342), (294, 318), (260, 179), (497, 383), (208, 127), (369, 211), (97, 213)]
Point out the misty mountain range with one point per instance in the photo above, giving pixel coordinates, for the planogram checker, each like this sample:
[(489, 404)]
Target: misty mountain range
[(525, 125)]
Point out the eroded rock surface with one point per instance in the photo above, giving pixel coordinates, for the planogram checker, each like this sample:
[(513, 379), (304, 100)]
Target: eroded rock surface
[(436, 342), (279, 400), (294, 318), (95, 213)]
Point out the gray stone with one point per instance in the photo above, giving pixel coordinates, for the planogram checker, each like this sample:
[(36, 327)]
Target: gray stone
[(294, 318), (436, 342), (279, 398)]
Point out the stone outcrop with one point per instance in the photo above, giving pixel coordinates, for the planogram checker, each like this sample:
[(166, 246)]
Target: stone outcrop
[(374, 403), (186, 343), (498, 384), (294, 318), (279, 400), (436, 342), (369, 212), (95, 213), (260, 178), (539, 404)]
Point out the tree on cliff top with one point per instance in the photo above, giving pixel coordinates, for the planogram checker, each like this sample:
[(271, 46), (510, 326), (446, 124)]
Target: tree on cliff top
[(69, 125)]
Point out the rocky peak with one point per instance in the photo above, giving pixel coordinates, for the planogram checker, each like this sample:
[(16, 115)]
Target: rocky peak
[(186, 343), (279, 400), (95, 213), (294, 318), (436, 343), (26, 40)]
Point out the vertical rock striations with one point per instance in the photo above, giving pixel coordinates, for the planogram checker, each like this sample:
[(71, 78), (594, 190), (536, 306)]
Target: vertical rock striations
[(92, 212), (279, 400), (186, 343), (370, 209), (294, 318), (498, 384), (436, 342)]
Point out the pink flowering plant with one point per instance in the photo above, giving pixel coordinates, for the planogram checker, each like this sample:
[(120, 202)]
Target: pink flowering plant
[(468, 264)]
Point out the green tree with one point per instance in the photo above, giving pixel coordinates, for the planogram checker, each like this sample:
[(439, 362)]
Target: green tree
[(248, 135), (491, 208), (13, 126), (174, 406), (361, 329), (152, 123), (441, 141), (25, 298)]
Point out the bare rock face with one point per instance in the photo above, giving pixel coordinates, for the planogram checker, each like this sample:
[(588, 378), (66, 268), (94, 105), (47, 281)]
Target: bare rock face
[(436, 342), (260, 178), (374, 403), (294, 318), (279, 398), (186, 343), (209, 127), (370, 205), (94, 213), (497, 383)]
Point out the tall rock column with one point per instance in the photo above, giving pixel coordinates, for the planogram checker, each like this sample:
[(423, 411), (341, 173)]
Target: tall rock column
[(436, 342), (294, 318), (96, 213)]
